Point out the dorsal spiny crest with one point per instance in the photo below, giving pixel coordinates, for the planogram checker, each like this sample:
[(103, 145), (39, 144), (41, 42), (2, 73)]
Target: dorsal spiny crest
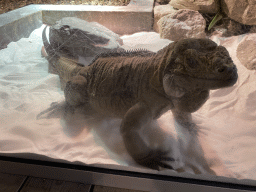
[(124, 53)]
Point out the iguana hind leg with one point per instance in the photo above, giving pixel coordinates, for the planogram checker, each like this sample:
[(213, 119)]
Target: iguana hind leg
[(56, 110), (134, 120), (75, 101)]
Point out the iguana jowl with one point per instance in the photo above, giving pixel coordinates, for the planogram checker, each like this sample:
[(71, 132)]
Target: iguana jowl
[(139, 86)]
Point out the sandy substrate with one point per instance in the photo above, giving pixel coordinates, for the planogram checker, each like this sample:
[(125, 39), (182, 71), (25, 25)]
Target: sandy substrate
[(226, 140)]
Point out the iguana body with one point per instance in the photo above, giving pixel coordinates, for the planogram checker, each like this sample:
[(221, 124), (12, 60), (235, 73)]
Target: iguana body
[(140, 86)]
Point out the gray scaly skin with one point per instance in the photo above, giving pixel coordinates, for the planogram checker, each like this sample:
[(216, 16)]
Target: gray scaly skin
[(140, 86)]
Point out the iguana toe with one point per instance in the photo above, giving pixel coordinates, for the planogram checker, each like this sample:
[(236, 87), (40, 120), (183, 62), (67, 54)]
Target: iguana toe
[(155, 160), (54, 111)]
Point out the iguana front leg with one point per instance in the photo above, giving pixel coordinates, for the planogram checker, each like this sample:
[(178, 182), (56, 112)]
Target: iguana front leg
[(138, 117), (184, 118), (187, 104)]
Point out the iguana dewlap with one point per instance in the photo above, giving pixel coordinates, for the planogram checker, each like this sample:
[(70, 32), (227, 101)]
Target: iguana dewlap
[(139, 86)]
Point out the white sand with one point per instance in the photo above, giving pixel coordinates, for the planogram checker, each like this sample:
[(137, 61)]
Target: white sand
[(227, 121)]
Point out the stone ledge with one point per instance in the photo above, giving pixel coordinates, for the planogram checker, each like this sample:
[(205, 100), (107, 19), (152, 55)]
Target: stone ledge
[(19, 23), (121, 20)]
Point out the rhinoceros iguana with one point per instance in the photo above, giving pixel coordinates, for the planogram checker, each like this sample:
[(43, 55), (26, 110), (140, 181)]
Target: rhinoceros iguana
[(139, 86)]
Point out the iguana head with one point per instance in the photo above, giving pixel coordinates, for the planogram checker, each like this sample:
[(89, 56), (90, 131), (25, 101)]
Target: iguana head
[(197, 64)]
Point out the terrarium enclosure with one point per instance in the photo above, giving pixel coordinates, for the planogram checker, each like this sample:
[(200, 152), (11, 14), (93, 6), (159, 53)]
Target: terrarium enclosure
[(220, 149)]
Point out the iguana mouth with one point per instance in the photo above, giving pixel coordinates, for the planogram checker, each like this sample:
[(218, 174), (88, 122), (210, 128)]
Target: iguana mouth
[(232, 76), (222, 76), (219, 83), (192, 83)]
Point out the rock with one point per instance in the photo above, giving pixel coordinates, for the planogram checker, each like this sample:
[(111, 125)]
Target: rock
[(159, 12), (253, 29), (162, 2), (235, 28), (204, 6), (246, 52), (229, 27), (242, 11), (77, 38), (182, 24)]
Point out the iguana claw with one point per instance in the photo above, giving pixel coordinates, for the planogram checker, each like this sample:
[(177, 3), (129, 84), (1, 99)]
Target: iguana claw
[(55, 110), (154, 160)]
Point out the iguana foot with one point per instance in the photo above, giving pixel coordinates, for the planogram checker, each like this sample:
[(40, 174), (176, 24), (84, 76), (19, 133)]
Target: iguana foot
[(138, 117), (156, 160), (56, 110)]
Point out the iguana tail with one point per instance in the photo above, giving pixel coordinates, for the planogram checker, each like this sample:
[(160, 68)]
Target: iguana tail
[(51, 54)]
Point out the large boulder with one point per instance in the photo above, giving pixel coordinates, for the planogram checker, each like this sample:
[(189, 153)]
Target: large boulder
[(242, 11), (182, 24), (161, 11), (204, 6), (246, 52), (161, 2)]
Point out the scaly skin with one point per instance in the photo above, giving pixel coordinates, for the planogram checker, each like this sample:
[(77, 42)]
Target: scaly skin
[(140, 86)]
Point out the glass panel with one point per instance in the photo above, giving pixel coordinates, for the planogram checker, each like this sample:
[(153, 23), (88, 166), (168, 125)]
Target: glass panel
[(98, 85)]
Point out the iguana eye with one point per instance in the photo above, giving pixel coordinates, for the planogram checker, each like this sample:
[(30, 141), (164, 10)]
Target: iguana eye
[(65, 27), (191, 62), (191, 55), (178, 60)]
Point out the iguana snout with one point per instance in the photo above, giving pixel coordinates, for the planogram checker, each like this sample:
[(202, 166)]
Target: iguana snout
[(221, 68)]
